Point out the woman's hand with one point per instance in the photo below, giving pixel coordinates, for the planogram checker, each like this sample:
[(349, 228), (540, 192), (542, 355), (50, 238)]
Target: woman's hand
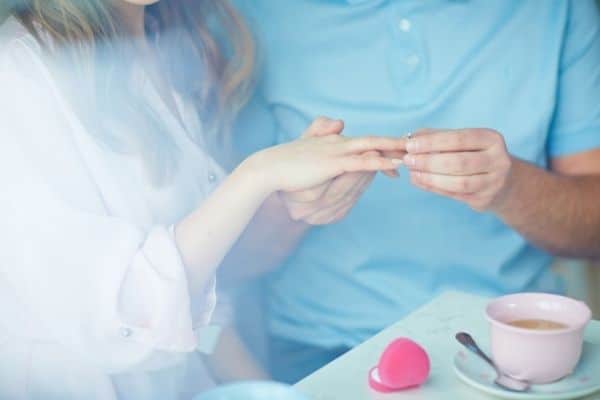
[(311, 161), (333, 199), (469, 165)]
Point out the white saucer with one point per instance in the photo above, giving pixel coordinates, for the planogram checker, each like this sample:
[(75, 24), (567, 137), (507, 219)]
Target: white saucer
[(584, 381)]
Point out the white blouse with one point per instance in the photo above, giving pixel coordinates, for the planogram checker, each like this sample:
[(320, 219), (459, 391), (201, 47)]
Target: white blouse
[(94, 301)]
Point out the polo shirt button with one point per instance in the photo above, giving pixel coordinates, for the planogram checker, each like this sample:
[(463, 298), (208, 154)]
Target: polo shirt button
[(413, 60), (125, 332), (212, 177), (404, 25)]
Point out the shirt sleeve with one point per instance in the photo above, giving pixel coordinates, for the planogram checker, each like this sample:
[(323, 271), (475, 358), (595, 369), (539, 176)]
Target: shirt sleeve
[(112, 292), (576, 123)]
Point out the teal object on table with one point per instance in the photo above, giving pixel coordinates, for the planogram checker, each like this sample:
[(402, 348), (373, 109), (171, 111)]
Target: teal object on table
[(433, 326), (252, 391)]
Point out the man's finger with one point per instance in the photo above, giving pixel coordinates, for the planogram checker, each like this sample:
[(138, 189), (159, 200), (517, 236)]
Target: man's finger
[(307, 196), (452, 141), (323, 126), (445, 193), (329, 214), (454, 184), (324, 214), (345, 184), (337, 188), (460, 163)]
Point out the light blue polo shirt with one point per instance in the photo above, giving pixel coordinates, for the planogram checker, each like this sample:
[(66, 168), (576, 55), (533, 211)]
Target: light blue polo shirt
[(529, 69)]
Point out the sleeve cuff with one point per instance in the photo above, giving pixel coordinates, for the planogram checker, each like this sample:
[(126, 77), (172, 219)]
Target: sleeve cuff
[(573, 143), (155, 302)]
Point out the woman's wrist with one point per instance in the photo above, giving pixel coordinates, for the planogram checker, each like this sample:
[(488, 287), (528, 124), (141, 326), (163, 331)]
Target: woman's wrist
[(225, 213), (255, 169)]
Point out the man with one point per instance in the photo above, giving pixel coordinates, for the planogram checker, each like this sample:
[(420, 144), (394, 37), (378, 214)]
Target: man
[(510, 177)]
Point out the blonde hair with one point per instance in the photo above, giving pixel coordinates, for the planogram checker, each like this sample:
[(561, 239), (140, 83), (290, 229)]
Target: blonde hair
[(208, 58)]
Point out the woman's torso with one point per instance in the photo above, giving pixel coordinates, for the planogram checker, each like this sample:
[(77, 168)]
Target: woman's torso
[(95, 179)]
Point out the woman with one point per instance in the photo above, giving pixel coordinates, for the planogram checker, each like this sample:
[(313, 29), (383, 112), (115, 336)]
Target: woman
[(113, 221)]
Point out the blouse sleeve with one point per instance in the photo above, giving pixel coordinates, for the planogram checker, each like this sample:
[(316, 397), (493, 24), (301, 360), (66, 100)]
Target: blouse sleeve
[(100, 286)]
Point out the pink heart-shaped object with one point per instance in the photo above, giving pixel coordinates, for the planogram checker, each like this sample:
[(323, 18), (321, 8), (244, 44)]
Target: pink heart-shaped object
[(403, 364), (375, 382)]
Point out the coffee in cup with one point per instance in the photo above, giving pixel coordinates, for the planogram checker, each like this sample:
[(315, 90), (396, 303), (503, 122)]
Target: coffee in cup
[(537, 324), (537, 337)]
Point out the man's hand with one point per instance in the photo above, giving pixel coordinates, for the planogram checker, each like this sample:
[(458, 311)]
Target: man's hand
[(469, 165), (331, 201)]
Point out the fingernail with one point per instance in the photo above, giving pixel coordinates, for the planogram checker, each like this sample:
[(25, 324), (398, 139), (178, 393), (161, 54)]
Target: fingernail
[(410, 160), (397, 161)]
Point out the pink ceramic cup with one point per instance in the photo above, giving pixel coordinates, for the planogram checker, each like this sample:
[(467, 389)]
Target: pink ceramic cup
[(538, 356)]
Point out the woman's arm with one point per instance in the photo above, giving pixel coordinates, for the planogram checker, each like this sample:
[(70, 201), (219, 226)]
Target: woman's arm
[(277, 221), (286, 218), (110, 291), (231, 360), (206, 235), (271, 223)]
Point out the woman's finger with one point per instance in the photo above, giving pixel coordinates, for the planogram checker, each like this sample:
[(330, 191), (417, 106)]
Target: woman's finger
[(461, 163), (394, 154), (454, 184), (397, 154), (368, 143), (355, 163)]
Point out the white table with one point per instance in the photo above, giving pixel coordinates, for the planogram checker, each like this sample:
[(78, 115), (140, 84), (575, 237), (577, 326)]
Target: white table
[(433, 326)]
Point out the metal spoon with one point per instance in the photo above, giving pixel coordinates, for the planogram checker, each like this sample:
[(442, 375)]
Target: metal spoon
[(502, 379)]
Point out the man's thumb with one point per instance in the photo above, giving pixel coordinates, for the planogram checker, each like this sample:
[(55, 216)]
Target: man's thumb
[(323, 126)]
